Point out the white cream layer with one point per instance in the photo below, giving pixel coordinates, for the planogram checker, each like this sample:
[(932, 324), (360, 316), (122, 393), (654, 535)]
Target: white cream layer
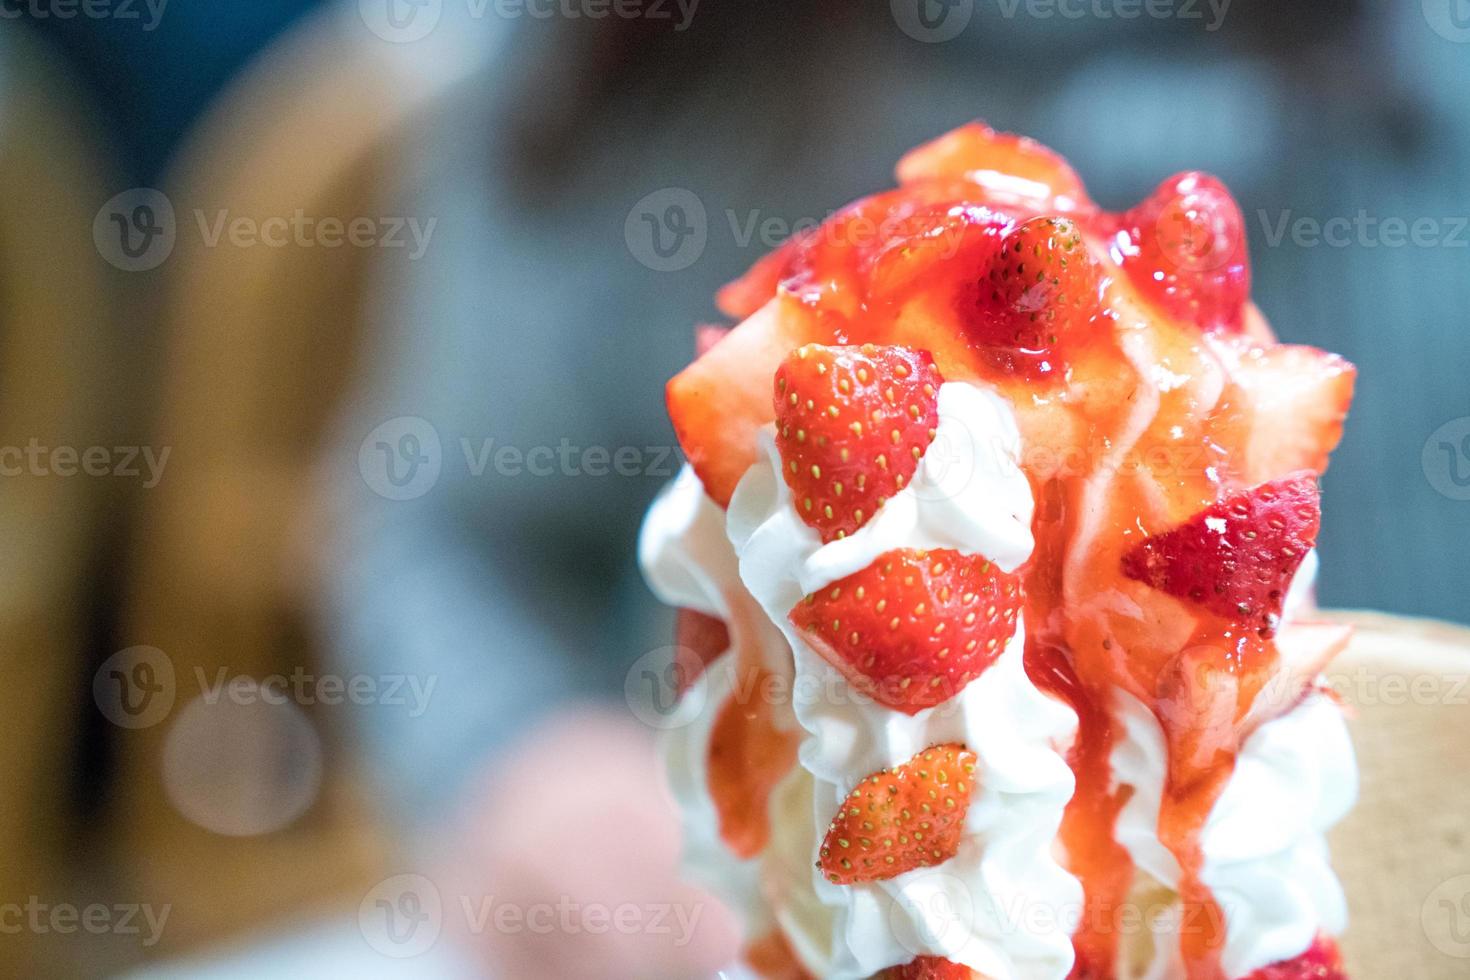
[(1002, 904)]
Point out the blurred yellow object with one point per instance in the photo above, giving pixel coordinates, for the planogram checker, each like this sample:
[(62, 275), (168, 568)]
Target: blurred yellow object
[(1404, 853), (229, 820)]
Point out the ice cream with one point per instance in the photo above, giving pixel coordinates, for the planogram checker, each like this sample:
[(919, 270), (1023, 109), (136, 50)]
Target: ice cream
[(995, 548)]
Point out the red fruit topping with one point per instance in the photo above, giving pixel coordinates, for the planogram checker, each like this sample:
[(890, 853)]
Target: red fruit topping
[(698, 640), (851, 425), (1321, 962), (1291, 403), (1237, 557), (900, 819), (913, 628), (748, 756), (719, 403), (928, 968), (772, 958), (1041, 290), (753, 290), (933, 246), (1185, 248), (706, 335), (1002, 163)]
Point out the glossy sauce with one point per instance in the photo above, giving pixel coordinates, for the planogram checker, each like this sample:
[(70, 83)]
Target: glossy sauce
[(1131, 432)]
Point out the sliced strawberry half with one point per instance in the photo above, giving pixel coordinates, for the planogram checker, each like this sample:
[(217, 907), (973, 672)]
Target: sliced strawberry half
[(899, 819), (1321, 962), (699, 640), (1004, 164), (851, 426), (1040, 291), (772, 958), (1237, 557), (748, 757), (719, 403), (1185, 248), (1288, 404), (915, 627), (928, 968)]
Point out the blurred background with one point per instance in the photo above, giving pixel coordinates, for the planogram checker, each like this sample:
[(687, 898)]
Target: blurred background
[(332, 347)]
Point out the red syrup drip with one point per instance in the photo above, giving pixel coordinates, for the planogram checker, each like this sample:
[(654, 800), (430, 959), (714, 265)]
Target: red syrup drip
[(1117, 448)]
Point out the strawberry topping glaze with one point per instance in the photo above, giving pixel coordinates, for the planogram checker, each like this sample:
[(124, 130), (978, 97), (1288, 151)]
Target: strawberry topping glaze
[(1154, 403)]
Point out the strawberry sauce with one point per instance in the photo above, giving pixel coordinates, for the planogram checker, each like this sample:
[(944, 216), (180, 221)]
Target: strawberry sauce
[(1152, 397)]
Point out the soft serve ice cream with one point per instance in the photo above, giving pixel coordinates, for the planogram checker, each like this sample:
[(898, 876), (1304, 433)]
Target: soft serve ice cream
[(992, 560)]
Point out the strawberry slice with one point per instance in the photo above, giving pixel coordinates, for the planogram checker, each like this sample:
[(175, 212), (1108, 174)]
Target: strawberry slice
[(748, 757), (1185, 247), (913, 628), (900, 819), (1321, 962), (772, 958), (719, 403), (1237, 557), (1287, 406), (928, 968), (1004, 164), (1041, 290), (698, 640), (851, 425)]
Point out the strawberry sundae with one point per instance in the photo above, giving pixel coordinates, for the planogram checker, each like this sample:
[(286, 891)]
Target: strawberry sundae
[(994, 562)]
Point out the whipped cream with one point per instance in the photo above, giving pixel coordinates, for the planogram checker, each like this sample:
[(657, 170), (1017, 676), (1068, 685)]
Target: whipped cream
[(1264, 843), (1265, 856), (687, 561), (1001, 905)]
